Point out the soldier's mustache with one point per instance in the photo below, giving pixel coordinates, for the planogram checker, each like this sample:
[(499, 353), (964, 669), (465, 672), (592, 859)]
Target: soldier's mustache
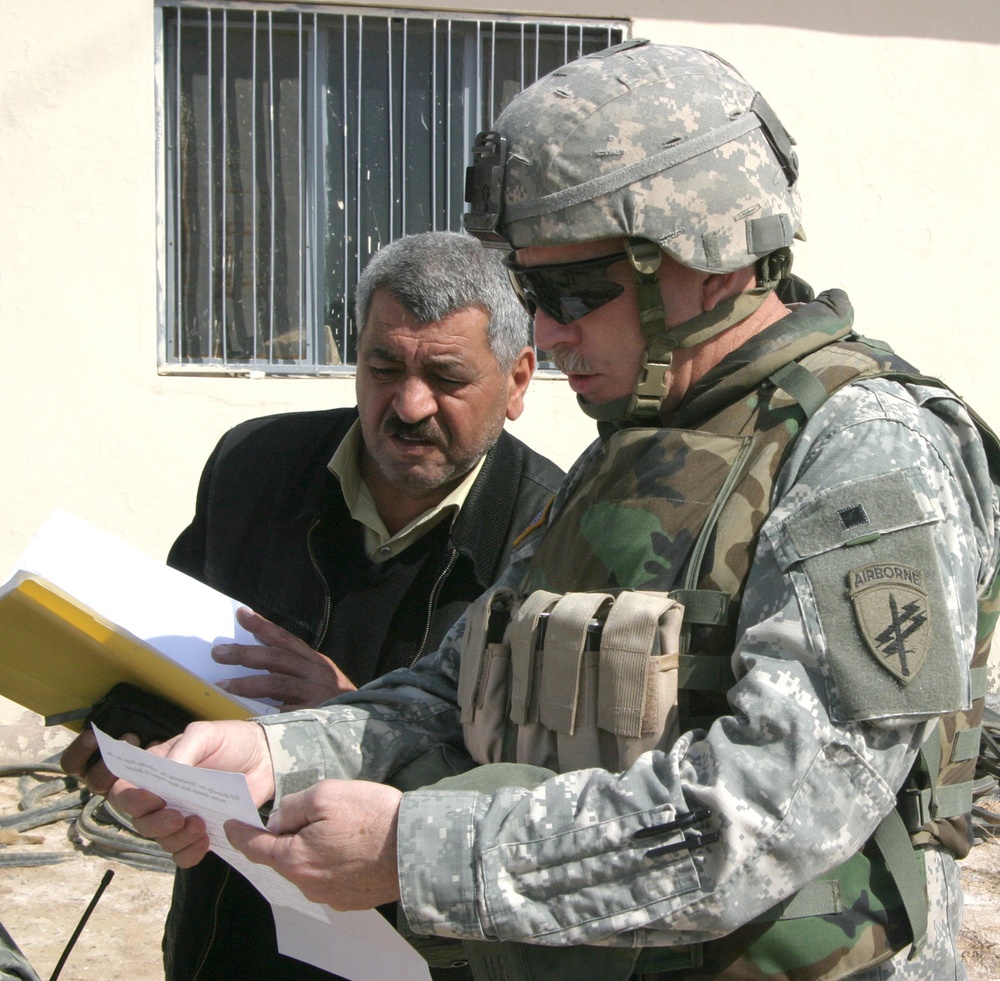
[(570, 362)]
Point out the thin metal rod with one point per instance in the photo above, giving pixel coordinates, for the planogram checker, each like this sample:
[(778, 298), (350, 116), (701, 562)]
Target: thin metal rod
[(480, 122), (520, 55), (178, 201), (390, 128), (314, 232), (433, 93), (347, 197), (447, 132), (538, 45), (361, 247), (493, 69), (403, 135), (105, 880)]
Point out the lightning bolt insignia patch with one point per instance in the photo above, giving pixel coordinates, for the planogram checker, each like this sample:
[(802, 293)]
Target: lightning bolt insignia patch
[(892, 612)]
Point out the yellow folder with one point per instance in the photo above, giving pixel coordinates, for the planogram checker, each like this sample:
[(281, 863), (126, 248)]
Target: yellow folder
[(56, 656)]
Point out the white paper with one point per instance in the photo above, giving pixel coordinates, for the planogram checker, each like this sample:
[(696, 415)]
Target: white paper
[(174, 614), (359, 945)]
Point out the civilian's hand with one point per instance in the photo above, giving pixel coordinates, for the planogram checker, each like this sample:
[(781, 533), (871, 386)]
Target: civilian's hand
[(82, 759), (298, 677)]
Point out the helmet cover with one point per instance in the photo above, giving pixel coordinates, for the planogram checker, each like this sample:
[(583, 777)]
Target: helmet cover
[(658, 142)]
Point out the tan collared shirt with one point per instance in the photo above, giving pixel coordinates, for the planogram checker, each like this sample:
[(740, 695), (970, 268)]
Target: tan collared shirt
[(345, 465)]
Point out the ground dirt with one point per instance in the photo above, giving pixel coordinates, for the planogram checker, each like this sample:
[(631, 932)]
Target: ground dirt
[(41, 906)]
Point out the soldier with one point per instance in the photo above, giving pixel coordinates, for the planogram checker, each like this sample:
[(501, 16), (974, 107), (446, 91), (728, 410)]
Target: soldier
[(724, 700)]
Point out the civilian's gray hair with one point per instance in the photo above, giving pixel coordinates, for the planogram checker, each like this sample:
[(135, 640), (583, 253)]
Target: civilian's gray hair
[(434, 274)]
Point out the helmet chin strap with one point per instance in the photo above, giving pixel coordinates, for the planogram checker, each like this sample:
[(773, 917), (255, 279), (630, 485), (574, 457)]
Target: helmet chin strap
[(643, 406)]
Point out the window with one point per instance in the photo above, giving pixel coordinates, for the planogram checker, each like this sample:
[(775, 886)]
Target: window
[(296, 143)]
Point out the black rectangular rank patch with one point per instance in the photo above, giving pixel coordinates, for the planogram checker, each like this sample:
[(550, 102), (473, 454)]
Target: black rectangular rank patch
[(854, 516)]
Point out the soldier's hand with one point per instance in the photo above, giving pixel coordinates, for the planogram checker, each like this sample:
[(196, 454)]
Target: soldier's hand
[(335, 840), (237, 747), (298, 676)]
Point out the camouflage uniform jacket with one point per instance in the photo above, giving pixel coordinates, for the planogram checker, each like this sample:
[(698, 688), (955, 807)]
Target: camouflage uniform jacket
[(796, 777)]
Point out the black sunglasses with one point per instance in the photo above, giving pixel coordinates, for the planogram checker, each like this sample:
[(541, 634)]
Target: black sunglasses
[(566, 291)]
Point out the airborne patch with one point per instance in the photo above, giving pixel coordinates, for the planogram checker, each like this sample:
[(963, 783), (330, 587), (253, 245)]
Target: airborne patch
[(893, 615)]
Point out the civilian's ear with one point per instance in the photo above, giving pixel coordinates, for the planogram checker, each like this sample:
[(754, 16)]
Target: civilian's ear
[(517, 382)]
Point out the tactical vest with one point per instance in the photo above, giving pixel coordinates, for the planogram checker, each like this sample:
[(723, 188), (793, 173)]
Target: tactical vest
[(621, 635)]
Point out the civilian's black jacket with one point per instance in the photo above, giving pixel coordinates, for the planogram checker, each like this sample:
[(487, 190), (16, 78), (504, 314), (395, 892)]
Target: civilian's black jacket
[(271, 529)]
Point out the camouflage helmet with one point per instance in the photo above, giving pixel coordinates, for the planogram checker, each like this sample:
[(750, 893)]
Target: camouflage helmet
[(656, 142)]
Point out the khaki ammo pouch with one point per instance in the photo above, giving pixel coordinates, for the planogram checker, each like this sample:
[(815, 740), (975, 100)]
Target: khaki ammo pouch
[(568, 681)]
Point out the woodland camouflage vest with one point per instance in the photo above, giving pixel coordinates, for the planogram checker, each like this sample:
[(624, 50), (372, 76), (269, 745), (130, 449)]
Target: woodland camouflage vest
[(678, 511)]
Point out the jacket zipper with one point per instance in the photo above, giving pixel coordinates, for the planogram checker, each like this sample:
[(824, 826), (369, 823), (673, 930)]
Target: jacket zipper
[(215, 925), (325, 623), (431, 603)]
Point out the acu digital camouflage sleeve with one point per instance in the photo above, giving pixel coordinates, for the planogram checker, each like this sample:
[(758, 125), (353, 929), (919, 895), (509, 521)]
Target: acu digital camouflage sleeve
[(14, 965), (793, 781)]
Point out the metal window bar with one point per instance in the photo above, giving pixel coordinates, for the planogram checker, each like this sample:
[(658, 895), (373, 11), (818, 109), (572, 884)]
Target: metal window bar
[(301, 338), (404, 103), (210, 212), (223, 251), (345, 301), (390, 119), (273, 177), (253, 194), (276, 119)]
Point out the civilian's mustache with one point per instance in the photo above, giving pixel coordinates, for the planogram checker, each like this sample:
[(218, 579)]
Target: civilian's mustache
[(426, 430)]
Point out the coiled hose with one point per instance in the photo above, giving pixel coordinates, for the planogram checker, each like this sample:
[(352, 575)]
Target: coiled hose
[(89, 818)]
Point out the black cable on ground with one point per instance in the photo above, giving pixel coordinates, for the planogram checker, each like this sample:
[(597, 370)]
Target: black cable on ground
[(27, 860), (111, 835), (89, 819)]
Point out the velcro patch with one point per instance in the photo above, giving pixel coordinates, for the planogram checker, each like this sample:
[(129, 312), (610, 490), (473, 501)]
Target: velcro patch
[(893, 615), (865, 557)]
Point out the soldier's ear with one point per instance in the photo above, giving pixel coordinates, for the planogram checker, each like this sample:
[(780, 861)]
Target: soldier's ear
[(718, 287), (517, 381)]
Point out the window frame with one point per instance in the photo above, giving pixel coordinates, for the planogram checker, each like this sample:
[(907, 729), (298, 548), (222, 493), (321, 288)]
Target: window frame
[(312, 293)]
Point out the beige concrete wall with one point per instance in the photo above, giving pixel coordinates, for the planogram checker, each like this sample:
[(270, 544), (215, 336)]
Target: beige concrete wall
[(890, 103)]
